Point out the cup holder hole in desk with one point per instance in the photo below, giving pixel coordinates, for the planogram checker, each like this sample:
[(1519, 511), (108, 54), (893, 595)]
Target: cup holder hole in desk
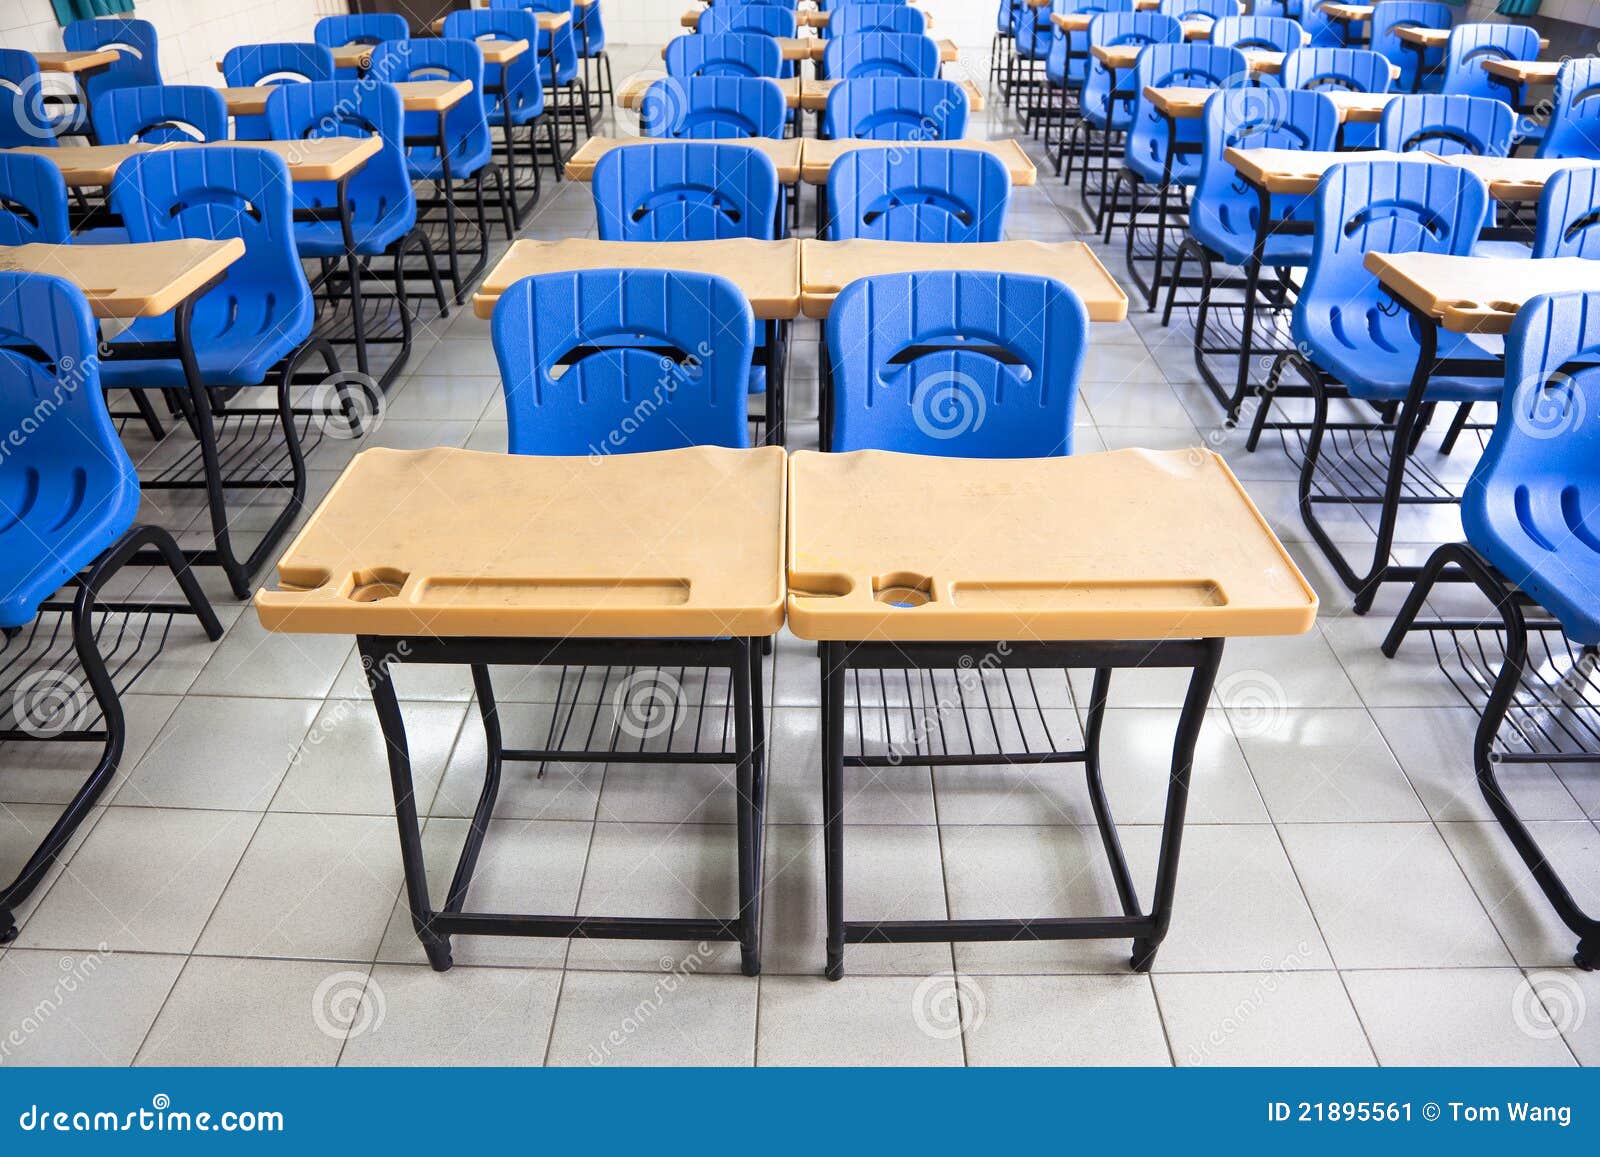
[(556, 592), (903, 590), (376, 585), (1045, 596)]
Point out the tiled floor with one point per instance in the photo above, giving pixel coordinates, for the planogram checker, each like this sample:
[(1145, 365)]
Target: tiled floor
[(1344, 899)]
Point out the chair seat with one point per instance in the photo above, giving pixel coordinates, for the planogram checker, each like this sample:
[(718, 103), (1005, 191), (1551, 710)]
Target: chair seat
[(520, 116), (1284, 250), (57, 537), (1185, 168), (231, 348), (428, 164), (326, 238), (1562, 580), (1371, 372), (106, 236)]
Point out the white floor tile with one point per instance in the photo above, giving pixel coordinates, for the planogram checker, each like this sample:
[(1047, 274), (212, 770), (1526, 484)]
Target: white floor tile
[(1261, 1018), (665, 1017), (860, 1020), (1477, 1016)]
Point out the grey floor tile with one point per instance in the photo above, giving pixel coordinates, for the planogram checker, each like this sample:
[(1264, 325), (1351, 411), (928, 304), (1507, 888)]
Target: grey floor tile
[(218, 752), (1063, 1020), (1318, 765), (467, 1016), (861, 1020), (342, 765), (81, 1008), (1441, 1016), (668, 1016), (52, 773), (253, 661), (1261, 1018)]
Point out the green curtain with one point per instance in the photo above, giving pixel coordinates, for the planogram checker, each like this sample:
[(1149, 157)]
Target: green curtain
[(1518, 7), (69, 10)]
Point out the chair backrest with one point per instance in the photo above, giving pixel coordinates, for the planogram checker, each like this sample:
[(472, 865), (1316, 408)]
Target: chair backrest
[(380, 194), (1390, 15), (760, 19), (1268, 33), (1111, 29), (138, 53), (217, 193), (158, 114), (1223, 211), (1202, 9), (1336, 69), (67, 490), (1379, 207), (466, 125), (249, 64), (1197, 65), (624, 361), (927, 194), (1447, 125), (1034, 33), (1569, 215), (957, 364), (732, 54), (518, 79), (1068, 59), (1471, 44), (1005, 18), (1574, 128), (869, 54), (24, 118), (589, 29), (856, 18), (895, 109), (33, 201), (363, 28), (1324, 31), (557, 50), (686, 191), (1530, 507), (713, 107)]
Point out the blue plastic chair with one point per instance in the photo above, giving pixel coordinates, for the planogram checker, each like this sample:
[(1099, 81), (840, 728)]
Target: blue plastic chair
[(253, 64), (1336, 70), (1471, 44), (1267, 33), (1447, 125), (160, 114), (1574, 128), (733, 54), (512, 93), (888, 54), (1569, 215), (894, 109), (926, 194), (1197, 65), (688, 191), (381, 204), (955, 364), (557, 62), (1345, 321), (1390, 15), (366, 28), (853, 19), (1067, 65), (68, 500), (664, 356), (1200, 9), (24, 117), (713, 108), (138, 48), (33, 201), (1324, 32), (760, 19), (589, 37)]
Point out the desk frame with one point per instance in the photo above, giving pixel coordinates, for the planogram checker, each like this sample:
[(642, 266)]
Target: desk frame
[(1146, 929), (435, 925)]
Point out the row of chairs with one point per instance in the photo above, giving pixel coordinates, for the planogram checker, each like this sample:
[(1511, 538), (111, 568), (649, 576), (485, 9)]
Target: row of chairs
[(746, 53), (884, 109)]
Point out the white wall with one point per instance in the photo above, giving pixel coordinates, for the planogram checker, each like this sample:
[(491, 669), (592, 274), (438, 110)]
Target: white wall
[(194, 33)]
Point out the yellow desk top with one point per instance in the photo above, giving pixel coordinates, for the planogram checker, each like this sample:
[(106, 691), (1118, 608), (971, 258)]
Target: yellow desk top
[(676, 544), (1478, 294), (1131, 544), (814, 93), (1437, 37), (817, 157), (1354, 13), (129, 281), (826, 267), (1515, 178), (1523, 71), (792, 47), (317, 159), (417, 95), (785, 154), (548, 22), (346, 56), (767, 271), (1120, 57), (1299, 170), (1186, 102), (804, 18), (75, 61)]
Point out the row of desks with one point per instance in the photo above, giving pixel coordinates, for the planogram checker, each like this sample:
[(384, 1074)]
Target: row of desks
[(808, 93), (313, 159), (803, 17), (799, 48), (807, 160), (784, 280), (1299, 171)]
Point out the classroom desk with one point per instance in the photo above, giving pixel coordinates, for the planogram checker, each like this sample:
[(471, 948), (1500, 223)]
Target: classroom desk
[(417, 95), (898, 564), (151, 280), (817, 157), (785, 154), (767, 271), (1351, 17), (1476, 294), (814, 93), (655, 560), (826, 267), (316, 159), (1513, 179), (1193, 29), (1186, 102), (1520, 72), (75, 62), (1419, 41)]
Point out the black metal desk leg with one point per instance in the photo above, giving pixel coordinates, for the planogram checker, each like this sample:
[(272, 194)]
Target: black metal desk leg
[(749, 816), (1190, 720), (377, 663), (833, 800)]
